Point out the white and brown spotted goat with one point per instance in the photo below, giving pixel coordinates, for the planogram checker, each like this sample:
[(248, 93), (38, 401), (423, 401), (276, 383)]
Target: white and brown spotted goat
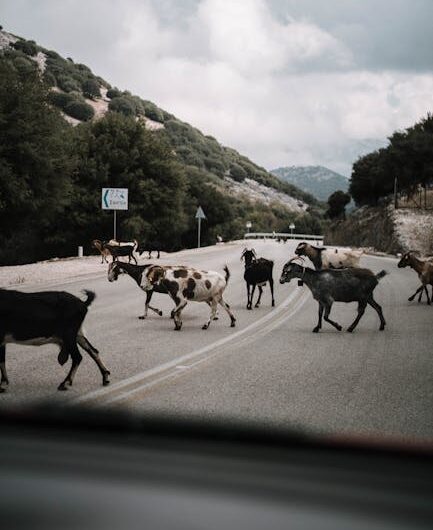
[(327, 258), (184, 284)]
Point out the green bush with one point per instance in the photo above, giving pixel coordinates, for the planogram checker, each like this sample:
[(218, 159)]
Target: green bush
[(26, 46), (155, 114), (49, 79), (113, 93), (237, 173), (90, 88), (63, 99), (122, 104), (79, 110), (67, 83)]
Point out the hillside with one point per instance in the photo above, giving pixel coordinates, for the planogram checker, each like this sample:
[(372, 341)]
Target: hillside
[(65, 133), (83, 96), (319, 181)]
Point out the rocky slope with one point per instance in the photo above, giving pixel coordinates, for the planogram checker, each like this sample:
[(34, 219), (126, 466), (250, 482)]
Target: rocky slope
[(385, 229)]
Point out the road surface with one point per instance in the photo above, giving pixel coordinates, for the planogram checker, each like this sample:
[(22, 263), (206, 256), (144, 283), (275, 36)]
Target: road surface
[(270, 369)]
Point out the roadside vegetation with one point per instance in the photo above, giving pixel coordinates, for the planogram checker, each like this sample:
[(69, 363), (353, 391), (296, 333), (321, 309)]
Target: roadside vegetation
[(51, 173)]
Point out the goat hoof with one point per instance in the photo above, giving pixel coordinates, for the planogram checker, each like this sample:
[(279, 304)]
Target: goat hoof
[(142, 317), (205, 326), (233, 324), (106, 382), (62, 387), (349, 330), (338, 328), (316, 330), (381, 328), (249, 307), (160, 313), (2, 390)]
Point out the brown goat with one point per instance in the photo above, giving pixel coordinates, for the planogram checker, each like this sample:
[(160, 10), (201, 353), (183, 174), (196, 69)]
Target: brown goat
[(424, 268), (99, 245)]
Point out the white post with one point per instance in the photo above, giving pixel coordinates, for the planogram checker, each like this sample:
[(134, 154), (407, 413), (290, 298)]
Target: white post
[(80, 252), (199, 229)]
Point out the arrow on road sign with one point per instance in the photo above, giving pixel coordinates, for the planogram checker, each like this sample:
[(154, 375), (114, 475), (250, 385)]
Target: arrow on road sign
[(105, 198), (199, 214)]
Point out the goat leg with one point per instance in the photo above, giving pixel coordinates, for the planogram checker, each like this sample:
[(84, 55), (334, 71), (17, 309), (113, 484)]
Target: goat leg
[(4, 375), (94, 354), (213, 306), (226, 306), (260, 296), (76, 360), (418, 291), (326, 317), (361, 311), (271, 285), (378, 309), (319, 323)]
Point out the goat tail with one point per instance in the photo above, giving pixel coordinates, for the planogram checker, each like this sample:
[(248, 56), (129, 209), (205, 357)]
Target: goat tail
[(381, 274), (226, 270), (90, 297)]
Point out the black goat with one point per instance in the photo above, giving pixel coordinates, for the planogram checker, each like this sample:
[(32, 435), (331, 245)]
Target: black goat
[(258, 271), (136, 273), (338, 285), (121, 250), (49, 317), (149, 247)]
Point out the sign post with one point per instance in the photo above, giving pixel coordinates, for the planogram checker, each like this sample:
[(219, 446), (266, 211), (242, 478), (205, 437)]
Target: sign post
[(114, 199), (292, 227), (199, 215), (248, 225)]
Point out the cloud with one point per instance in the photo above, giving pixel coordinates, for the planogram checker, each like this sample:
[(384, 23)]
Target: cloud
[(292, 86)]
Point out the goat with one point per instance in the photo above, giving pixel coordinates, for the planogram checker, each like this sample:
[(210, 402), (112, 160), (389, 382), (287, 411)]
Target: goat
[(46, 318), (136, 273), (258, 271), (184, 284), (149, 247), (337, 285), (424, 269), (99, 245), (121, 250), (324, 258)]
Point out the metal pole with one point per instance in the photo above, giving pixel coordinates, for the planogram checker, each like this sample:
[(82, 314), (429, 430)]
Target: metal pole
[(114, 227), (395, 194), (199, 230)]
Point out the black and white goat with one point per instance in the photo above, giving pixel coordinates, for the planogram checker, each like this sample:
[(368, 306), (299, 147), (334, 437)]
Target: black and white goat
[(136, 272), (258, 271), (52, 317), (122, 250), (337, 285), (149, 247)]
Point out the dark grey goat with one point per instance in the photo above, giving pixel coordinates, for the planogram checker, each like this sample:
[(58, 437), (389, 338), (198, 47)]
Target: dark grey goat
[(337, 285), (48, 317), (258, 271), (121, 250)]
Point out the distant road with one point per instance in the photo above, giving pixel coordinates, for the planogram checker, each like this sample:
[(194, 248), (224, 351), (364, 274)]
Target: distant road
[(269, 369)]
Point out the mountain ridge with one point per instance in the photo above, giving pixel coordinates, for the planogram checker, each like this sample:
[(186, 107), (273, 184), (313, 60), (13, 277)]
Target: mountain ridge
[(319, 181)]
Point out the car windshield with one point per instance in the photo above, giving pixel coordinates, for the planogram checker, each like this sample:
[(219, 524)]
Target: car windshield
[(220, 211)]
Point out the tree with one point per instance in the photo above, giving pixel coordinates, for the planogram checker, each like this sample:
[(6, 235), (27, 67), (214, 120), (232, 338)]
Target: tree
[(91, 88), (35, 165), (337, 202)]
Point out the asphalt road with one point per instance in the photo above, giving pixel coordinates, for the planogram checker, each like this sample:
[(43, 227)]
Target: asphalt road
[(271, 369)]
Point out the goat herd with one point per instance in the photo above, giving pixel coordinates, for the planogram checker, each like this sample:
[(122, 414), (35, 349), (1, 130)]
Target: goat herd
[(57, 317)]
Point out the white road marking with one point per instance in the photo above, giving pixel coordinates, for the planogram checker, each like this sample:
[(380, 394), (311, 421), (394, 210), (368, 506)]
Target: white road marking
[(143, 380)]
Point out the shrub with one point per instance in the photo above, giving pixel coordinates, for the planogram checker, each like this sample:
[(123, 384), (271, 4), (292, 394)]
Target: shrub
[(153, 113), (113, 93), (79, 110), (49, 79), (67, 83), (62, 99), (123, 105), (91, 89), (237, 173), (26, 46)]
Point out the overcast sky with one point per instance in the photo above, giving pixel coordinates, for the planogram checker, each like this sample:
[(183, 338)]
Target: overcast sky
[(286, 82)]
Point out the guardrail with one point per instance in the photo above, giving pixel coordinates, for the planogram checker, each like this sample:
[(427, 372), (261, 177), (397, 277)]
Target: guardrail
[(282, 235)]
